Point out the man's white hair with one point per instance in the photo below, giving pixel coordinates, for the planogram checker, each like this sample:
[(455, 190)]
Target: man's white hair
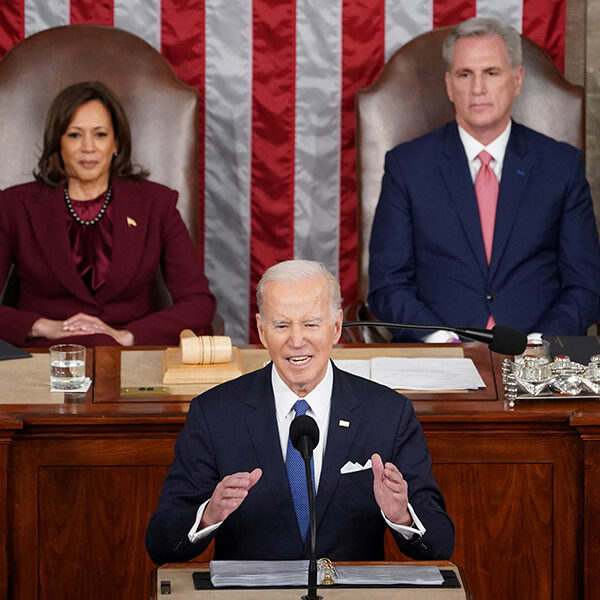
[(295, 270)]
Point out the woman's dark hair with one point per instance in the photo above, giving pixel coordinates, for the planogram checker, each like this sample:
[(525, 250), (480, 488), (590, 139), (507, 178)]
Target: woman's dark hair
[(50, 169)]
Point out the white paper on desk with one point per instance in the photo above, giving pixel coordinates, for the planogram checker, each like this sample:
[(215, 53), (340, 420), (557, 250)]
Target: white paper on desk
[(278, 573), (362, 368), (389, 574), (254, 573), (426, 373)]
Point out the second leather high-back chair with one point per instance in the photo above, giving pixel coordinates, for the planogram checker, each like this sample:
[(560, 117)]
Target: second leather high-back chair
[(162, 110), (409, 99)]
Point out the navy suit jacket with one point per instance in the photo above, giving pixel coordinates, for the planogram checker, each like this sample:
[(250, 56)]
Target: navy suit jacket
[(427, 259), (33, 236), (233, 428)]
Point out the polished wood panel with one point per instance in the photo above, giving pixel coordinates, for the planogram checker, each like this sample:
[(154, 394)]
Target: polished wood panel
[(587, 421), (99, 513), (81, 506), (511, 494), (493, 490), (8, 426)]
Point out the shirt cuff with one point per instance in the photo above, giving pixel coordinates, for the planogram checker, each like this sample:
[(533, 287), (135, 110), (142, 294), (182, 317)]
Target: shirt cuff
[(416, 528), (193, 534), (441, 336)]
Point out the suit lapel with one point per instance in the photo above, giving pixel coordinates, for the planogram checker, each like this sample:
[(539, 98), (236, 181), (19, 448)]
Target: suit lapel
[(456, 174), (48, 215), (262, 427), (344, 406), (516, 170), (131, 214)]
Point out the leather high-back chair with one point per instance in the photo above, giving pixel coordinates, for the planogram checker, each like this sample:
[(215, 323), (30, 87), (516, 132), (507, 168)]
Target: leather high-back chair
[(409, 99), (162, 110)]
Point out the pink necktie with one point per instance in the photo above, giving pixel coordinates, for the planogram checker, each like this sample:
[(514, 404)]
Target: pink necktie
[(486, 190)]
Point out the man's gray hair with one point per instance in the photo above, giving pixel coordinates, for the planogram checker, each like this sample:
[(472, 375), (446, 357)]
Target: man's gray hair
[(480, 27), (295, 270)]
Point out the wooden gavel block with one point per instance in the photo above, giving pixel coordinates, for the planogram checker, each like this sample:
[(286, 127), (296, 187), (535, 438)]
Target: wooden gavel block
[(204, 349)]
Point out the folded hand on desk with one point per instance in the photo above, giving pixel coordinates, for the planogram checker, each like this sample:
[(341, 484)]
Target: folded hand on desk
[(77, 325)]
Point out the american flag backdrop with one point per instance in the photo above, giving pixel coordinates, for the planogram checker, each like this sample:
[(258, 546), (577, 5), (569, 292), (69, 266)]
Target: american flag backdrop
[(277, 79)]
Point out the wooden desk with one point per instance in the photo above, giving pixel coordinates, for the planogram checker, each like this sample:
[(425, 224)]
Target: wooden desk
[(180, 579), (108, 365), (79, 480)]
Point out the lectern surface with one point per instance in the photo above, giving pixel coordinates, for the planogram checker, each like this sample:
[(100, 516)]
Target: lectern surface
[(181, 587)]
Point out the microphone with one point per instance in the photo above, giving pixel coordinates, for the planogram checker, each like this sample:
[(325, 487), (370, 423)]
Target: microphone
[(304, 435), (503, 340)]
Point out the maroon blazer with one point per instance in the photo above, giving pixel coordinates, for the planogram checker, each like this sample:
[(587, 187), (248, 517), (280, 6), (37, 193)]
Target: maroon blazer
[(33, 236)]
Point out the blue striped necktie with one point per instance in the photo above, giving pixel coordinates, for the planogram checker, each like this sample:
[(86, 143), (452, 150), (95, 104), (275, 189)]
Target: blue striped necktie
[(296, 471)]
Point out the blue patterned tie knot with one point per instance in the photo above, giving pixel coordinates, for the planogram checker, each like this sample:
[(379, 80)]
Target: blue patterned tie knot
[(296, 471)]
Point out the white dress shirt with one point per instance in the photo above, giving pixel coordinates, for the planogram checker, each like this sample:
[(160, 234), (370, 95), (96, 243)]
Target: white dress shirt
[(319, 401), (497, 149)]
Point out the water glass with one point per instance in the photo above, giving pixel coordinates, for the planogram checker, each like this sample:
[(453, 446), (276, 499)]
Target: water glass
[(67, 366)]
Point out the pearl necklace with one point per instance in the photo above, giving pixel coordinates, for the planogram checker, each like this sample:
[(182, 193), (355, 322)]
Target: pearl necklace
[(97, 217)]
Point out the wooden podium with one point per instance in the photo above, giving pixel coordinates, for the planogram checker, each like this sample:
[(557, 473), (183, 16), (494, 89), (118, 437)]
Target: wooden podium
[(175, 582), (521, 483)]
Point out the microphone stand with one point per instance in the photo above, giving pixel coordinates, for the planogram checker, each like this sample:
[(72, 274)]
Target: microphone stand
[(504, 340), (479, 335), (312, 564)]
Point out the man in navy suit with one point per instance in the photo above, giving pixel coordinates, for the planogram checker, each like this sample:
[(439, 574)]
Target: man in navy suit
[(229, 481), (428, 260)]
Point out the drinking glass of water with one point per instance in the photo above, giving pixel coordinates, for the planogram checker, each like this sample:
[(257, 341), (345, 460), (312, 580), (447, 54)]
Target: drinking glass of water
[(67, 366)]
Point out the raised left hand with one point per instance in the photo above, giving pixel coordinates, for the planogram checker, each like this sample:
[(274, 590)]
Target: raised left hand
[(391, 491)]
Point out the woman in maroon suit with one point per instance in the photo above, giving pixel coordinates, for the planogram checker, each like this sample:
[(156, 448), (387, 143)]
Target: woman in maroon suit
[(89, 235)]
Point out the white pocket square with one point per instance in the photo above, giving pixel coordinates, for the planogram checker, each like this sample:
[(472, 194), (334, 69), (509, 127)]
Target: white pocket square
[(353, 467)]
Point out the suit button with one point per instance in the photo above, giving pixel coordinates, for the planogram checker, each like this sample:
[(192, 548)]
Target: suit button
[(489, 297)]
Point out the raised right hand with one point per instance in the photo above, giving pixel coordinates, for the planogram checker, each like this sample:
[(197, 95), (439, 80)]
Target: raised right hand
[(228, 495)]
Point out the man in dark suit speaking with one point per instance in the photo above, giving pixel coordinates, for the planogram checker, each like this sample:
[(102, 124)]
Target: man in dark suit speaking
[(232, 478), (485, 221)]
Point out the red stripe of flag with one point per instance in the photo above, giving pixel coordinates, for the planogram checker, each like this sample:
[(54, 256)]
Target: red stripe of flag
[(544, 21), (182, 37), (451, 12), (272, 162), (363, 57), (98, 12), (12, 25)]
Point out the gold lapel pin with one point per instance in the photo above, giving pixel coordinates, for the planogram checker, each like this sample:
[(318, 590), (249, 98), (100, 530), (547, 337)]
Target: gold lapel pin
[(131, 222)]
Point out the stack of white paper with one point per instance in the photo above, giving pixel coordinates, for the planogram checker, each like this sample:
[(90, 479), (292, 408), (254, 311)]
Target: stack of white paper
[(426, 373), (362, 368), (417, 373), (256, 573), (278, 573), (389, 575)]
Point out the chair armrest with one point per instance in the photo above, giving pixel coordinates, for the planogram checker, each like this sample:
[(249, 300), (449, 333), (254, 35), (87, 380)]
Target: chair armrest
[(360, 311)]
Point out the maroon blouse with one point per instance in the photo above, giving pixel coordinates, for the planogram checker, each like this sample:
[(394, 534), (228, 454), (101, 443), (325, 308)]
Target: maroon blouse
[(91, 245)]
